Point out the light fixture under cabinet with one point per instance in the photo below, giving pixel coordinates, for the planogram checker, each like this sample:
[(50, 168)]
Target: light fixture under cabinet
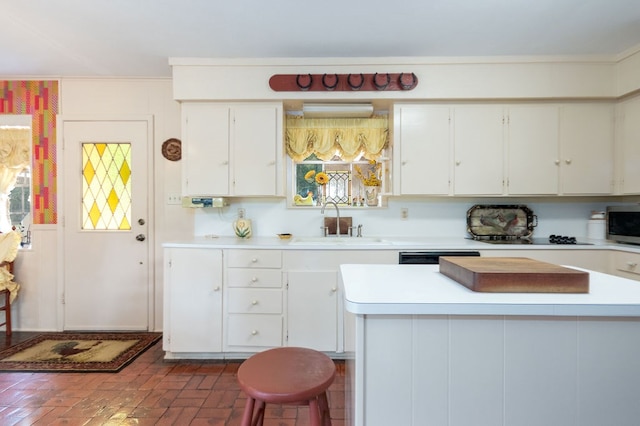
[(337, 110)]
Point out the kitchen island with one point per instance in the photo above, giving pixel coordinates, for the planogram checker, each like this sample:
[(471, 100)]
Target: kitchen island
[(425, 350)]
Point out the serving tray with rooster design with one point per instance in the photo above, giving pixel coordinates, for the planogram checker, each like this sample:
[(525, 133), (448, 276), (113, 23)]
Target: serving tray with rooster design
[(500, 221)]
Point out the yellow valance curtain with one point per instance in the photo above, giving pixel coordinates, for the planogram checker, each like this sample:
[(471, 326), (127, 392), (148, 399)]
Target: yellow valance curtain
[(15, 155), (349, 137)]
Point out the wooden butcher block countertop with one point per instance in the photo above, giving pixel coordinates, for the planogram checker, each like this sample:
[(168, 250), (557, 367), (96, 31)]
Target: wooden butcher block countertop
[(513, 275)]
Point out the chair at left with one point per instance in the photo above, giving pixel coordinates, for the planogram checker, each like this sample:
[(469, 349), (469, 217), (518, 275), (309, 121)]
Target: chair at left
[(5, 295), (9, 246)]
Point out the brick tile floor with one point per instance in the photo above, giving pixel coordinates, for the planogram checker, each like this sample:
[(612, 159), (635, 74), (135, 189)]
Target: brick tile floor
[(149, 391)]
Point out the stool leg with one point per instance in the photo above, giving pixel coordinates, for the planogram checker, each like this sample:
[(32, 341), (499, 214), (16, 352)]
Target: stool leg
[(325, 414), (248, 412), (259, 418), (314, 412)]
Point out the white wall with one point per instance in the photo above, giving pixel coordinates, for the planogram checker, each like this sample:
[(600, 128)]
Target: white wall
[(428, 217), (39, 305)]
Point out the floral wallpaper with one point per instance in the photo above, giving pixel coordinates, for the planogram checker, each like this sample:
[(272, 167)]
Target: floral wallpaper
[(40, 100)]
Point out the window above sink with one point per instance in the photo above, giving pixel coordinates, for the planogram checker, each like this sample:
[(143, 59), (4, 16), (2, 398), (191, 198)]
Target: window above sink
[(334, 160)]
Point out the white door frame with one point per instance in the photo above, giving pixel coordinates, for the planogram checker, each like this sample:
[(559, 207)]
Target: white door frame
[(60, 120)]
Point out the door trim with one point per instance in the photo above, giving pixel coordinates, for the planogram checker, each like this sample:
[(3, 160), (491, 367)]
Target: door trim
[(61, 119)]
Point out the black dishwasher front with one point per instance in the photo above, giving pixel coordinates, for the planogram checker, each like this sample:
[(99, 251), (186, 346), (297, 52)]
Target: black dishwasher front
[(430, 257)]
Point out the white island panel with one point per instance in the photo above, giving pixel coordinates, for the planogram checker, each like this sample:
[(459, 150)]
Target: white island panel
[(488, 369)]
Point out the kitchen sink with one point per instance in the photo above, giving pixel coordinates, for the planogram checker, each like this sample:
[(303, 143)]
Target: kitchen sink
[(342, 241)]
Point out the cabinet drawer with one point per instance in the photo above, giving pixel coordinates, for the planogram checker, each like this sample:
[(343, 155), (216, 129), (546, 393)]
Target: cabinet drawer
[(254, 330), (254, 258), (249, 277), (254, 301), (627, 262)]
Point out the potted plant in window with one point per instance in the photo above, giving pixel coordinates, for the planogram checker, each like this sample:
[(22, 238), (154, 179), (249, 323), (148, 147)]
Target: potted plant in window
[(371, 181)]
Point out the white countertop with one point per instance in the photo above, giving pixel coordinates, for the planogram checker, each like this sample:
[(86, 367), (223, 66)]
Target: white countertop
[(422, 290), (382, 243)]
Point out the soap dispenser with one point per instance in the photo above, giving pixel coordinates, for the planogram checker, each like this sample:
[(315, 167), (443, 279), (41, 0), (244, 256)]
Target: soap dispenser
[(242, 226)]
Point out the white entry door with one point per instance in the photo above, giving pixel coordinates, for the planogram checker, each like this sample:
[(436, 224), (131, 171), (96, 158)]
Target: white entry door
[(106, 276)]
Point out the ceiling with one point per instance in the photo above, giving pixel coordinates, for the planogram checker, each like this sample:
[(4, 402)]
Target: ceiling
[(135, 38)]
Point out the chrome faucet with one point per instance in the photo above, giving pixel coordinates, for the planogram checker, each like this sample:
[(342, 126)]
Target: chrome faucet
[(337, 215)]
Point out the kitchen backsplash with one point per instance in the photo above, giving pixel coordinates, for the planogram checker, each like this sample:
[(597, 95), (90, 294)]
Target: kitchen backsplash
[(426, 218)]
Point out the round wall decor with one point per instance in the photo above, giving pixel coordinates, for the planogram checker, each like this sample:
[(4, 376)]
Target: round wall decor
[(172, 149)]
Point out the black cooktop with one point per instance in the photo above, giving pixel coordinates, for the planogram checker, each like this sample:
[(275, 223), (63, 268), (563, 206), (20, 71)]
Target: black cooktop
[(550, 240)]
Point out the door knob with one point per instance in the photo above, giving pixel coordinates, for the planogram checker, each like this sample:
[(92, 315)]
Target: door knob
[(141, 222), (140, 237)]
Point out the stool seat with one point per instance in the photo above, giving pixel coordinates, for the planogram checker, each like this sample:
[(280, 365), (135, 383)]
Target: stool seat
[(288, 375)]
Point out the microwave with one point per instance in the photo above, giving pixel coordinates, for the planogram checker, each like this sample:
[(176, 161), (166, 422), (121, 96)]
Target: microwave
[(623, 224)]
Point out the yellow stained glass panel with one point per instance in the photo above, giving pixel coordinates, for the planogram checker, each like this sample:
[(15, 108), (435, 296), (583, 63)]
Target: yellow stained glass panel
[(106, 186)]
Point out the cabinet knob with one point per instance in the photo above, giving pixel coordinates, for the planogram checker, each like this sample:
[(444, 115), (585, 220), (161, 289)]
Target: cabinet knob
[(254, 302), (254, 332), (216, 288), (557, 162), (632, 265), (568, 161), (254, 260), (224, 163), (458, 162), (254, 279), (333, 290), (404, 162)]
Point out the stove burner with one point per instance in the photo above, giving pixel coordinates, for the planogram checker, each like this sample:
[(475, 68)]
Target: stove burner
[(560, 239)]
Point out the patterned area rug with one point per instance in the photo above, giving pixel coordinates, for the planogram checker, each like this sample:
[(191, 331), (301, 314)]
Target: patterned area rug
[(76, 352)]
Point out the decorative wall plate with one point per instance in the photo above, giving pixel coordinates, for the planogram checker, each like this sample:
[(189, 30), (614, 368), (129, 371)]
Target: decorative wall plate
[(172, 149)]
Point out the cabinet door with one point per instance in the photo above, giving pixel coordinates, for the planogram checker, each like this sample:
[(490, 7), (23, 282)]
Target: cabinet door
[(532, 161), (193, 299), (630, 151), (205, 149), (586, 149), (257, 147), (313, 310), (626, 265), (423, 145), (479, 150)]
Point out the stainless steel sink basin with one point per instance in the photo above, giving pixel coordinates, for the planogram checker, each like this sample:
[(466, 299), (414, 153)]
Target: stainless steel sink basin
[(342, 241)]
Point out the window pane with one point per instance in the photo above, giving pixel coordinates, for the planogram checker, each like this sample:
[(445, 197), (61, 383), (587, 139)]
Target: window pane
[(106, 186), (19, 199), (306, 185)]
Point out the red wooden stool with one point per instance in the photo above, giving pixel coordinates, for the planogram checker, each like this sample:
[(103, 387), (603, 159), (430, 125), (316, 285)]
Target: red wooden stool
[(296, 376)]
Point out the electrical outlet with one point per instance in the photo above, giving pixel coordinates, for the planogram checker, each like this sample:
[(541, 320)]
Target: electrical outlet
[(174, 199), (404, 213)]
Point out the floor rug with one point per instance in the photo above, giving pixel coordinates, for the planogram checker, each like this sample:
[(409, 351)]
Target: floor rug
[(76, 352)]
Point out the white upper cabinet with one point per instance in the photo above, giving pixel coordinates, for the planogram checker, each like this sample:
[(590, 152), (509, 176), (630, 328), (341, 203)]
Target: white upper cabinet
[(257, 150), (532, 159), (423, 149), (232, 149), (629, 148), (478, 150), (586, 149), (205, 149), (492, 150)]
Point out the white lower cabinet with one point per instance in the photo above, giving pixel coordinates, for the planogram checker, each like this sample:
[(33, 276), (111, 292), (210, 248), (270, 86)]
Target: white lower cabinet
[(253, 300), (626, 265), (596, 260), (193, 300), (312, 309), (314, 299)]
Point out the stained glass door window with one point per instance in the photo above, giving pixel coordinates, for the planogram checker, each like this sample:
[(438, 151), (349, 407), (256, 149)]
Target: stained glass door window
[(106, 186)]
